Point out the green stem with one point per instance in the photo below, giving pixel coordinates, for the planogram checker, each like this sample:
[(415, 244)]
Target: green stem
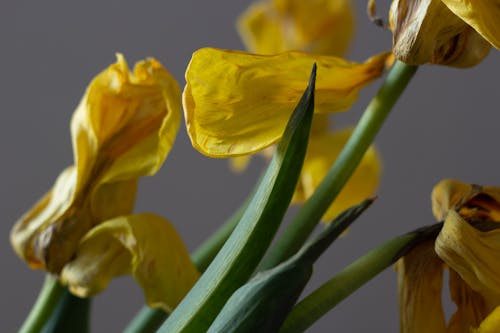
[(47, 301), (71, 315), (149, 319), (326, 297), (362, 137)]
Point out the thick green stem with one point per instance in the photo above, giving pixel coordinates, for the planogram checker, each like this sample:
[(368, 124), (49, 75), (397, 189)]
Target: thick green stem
[(149, 319), (326, 297), (71, 315), (46, 303), (362, 137)]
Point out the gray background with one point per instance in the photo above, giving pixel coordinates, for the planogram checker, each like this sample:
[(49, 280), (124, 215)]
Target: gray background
[(445, 125)]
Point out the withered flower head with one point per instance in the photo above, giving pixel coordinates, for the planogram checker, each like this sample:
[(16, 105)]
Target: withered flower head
[(468, 246), (427, 31)]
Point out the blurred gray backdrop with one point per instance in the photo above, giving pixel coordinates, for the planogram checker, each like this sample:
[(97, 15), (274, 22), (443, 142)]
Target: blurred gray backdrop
[(445, 125)]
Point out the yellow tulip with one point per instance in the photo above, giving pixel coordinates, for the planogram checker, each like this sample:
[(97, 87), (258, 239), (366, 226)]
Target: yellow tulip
[(456, 33), (123, 128), (315, 26), (468, 245), (238, 103)]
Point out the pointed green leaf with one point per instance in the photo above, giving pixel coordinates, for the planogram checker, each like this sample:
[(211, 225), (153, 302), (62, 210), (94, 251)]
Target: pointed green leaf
[(331, 293), (239, 256), (263, 303)]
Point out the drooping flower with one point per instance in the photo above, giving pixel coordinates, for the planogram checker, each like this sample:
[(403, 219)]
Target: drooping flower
[(123, 128), (468, 245), (317, 26), (238, 103), (456, 33)]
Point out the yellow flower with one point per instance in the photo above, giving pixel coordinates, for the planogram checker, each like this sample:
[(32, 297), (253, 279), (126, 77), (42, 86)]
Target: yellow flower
[(323, 27), (123, 128), (468, 245), (238, 103), (456, 33), (316, 26)]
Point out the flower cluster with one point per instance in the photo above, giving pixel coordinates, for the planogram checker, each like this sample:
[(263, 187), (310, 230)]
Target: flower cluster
[(240, 103)]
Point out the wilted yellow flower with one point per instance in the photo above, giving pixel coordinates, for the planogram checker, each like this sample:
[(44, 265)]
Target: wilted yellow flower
[(429, 32), (238, 103), (123, 128), (316, 26), (468, 245)]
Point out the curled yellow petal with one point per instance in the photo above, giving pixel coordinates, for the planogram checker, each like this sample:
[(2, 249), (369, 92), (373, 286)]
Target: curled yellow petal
[(420, 279), (126, 123), (482, 15), (145, 245), (51, 208), (472, 253), (426, 31), (322, 152), (473, 202), (237, 103), (451, 194), (318, 26), (122, 129)]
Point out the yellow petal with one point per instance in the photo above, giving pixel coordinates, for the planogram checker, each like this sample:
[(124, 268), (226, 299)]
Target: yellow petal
[(237, 103), (50, 208), (471, 306), (261, 29), (322, 151), (451, 194), (482, 15), (316, 26), (472, 253), (145, 245), (428, 32), (420, 279), (126, 123), (239, 164), (491, 324), (473, 202)]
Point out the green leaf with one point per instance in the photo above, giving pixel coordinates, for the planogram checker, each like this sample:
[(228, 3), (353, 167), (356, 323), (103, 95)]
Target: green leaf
[(239, 256), (331, 293), (148, 320), (263, 303), (362, 137)]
